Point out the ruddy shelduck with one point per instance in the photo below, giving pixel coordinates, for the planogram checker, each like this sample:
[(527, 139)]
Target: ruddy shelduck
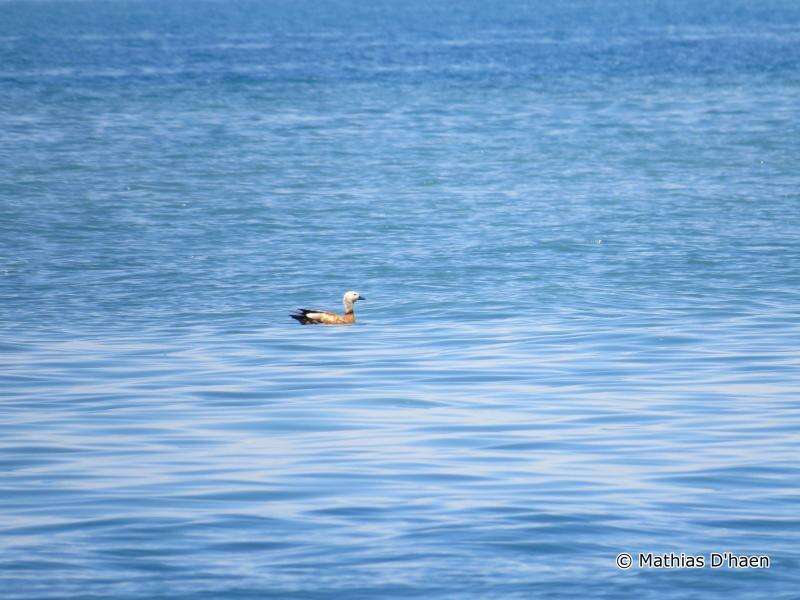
[(309, 316)]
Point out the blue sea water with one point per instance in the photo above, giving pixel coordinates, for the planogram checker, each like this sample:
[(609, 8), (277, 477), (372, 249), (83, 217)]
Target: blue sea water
[(577, 227)]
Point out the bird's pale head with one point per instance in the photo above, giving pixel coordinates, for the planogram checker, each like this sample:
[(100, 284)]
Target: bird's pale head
[(351, 296)]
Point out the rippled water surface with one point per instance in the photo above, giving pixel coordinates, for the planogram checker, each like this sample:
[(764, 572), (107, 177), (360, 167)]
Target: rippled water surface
[(577, 228)]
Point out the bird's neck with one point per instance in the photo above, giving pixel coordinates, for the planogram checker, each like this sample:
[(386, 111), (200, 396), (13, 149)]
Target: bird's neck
[(348, 307)]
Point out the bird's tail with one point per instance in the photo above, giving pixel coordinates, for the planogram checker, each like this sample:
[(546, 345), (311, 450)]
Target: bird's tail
[(300, 316)]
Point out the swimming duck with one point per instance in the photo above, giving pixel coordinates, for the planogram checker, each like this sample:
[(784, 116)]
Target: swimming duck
[(309, 316)]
